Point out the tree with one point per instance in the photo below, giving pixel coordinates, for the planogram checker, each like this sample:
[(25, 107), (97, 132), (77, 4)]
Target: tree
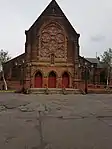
[(107, 61), (4, 57)]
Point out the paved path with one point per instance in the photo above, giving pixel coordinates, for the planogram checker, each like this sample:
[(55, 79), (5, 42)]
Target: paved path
[(68, 121)]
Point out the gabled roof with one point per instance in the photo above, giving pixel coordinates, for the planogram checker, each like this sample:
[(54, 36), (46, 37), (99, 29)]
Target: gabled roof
[(93, 60), (53, 9), (22, 56), (96, 61), (84, 59)]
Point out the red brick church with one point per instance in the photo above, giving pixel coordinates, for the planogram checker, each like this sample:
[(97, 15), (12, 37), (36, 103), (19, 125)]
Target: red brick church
[(51, 57)]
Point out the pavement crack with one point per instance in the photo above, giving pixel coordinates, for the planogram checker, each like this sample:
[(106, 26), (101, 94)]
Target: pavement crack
[(12, 106), (101, 116), (25, 109), (8, 139), (103, 121)]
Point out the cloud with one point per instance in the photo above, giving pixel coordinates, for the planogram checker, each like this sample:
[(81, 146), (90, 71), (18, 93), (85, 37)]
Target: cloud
[(91, 19), (97, 38)]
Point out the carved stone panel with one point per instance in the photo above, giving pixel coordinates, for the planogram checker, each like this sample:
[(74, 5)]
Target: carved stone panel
[(52, 41)]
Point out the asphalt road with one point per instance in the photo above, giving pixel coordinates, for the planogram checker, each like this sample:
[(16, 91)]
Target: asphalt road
[(55, 121)]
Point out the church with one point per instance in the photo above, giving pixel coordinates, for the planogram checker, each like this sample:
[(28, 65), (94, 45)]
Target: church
[(51, 58)]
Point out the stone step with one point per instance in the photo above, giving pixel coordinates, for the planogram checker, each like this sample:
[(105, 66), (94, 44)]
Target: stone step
[(54, 91)]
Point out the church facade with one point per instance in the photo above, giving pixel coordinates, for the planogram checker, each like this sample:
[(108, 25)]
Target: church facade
[(52, 50), (51, 57)]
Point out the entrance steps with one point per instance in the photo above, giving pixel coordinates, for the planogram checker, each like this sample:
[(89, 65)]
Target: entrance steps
[(54, 91)]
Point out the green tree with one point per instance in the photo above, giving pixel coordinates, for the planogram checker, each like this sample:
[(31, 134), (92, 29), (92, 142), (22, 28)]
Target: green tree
[(4, 57), (107, 61)]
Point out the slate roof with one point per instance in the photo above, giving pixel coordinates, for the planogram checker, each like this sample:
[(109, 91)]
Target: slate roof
[(96, 61), (93, 60)]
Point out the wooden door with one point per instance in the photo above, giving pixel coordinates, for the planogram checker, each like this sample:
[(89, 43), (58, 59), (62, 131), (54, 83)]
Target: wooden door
[(38, 80), (52, 80), (65, 80)]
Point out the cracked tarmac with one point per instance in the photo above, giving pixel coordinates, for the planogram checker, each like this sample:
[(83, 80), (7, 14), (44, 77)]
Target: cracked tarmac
[(68, 121)]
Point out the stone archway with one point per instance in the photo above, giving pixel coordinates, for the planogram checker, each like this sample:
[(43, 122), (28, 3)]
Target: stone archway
[(52, 80), (65, 80), (38, 80)]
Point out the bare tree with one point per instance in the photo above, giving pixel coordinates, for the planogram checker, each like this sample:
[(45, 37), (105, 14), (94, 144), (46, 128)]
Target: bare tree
[(107, 60), (4, 57)]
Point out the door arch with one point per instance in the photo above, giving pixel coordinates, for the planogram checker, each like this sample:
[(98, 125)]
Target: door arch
[(65, 80), (52, 80), (38, 80)]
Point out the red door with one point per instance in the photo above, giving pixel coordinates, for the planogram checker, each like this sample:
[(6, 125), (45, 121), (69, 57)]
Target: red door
[(65, 80), (52, 80), (38, 80)]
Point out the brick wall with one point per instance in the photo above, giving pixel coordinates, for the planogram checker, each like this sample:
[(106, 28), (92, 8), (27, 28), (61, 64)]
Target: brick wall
[(12, 85)]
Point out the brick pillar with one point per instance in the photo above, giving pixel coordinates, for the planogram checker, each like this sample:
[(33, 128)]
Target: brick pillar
[(27, 84), (59, 82), (45, 82), (77, 79), (27, 76)]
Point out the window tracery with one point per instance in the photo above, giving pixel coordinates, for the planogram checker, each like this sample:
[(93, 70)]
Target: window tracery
[(52, 40)]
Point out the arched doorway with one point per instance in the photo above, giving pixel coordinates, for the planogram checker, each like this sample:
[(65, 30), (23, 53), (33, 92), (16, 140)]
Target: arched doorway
[(65, 80), (52, 80), (38, 80)]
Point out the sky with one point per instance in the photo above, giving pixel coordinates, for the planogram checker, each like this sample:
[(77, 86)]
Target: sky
[(92, 19)]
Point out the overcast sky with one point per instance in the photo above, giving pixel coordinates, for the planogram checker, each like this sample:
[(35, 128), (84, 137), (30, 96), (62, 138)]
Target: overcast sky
[(91, 18)]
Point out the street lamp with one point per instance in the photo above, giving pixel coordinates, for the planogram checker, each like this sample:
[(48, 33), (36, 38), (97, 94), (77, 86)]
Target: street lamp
[(86, 69)]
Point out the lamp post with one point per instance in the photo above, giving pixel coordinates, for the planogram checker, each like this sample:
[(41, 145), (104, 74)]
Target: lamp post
[(86, 68)]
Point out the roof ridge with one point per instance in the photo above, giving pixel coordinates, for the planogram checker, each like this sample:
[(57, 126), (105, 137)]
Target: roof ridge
[(47, 7)]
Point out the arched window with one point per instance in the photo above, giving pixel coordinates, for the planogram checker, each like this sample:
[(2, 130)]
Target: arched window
[(52, 58)]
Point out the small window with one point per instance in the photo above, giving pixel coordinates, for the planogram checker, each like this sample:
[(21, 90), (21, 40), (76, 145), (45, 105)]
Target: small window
[(52, 58)]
